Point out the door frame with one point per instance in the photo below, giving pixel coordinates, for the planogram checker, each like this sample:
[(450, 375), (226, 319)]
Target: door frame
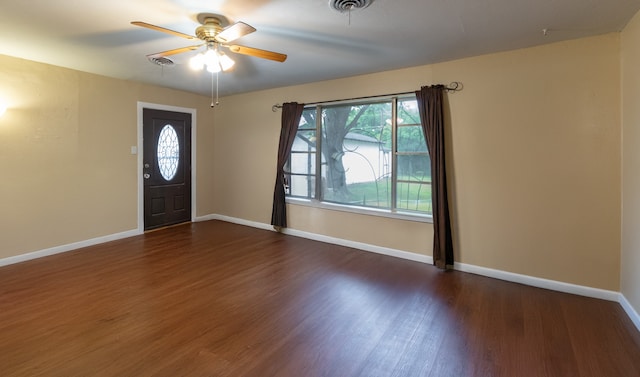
[(139, 152)]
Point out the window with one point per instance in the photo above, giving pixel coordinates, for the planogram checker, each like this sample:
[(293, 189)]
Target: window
[(365, 155)]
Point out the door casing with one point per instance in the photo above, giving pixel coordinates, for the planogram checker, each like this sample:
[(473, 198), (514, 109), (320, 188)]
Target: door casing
[(139, 147)]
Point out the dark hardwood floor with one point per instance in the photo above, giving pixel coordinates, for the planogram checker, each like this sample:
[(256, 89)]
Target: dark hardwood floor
[(218, 299)]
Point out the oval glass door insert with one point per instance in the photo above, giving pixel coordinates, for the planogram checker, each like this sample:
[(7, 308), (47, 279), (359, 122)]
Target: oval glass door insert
[(168, 152)]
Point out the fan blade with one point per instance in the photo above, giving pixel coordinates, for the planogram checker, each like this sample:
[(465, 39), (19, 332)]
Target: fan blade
[(264, 54), (174, 51), (235, 31), (164, 30)]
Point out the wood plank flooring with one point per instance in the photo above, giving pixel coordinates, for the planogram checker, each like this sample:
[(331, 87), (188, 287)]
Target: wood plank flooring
[(219, 299)]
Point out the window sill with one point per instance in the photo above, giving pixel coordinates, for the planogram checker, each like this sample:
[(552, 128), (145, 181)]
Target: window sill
[(361, 210)]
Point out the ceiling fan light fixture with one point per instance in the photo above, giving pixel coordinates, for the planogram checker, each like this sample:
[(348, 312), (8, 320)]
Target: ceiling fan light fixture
[(212, 59), (213, 31)]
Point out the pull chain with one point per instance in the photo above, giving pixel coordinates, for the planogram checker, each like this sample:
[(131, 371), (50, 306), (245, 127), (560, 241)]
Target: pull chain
[(212, 104), (216, 100)]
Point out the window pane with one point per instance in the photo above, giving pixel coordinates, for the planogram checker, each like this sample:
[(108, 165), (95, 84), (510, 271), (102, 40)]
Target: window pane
[(414, 167), (408, 111), (301, 186), (414, 197), (305, 141), (308, 119), (356, 158), (302, 163), (368, 194), (411, 139)]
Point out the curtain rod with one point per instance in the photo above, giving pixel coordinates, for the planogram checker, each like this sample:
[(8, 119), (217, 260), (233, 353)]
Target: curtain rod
[(455, 86)]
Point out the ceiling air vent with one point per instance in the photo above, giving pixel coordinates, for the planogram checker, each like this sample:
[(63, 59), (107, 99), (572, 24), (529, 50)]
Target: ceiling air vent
[(161, 61), (348, 5)]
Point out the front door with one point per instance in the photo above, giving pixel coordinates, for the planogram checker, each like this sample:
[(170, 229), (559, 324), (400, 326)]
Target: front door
[(166, 168)]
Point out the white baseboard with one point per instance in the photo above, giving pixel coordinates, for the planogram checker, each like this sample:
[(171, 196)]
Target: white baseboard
[(68, 247), (631, 312), (553, 285), (235, 220), (326, 239), (361, 246), (198, 219), (94, 241)]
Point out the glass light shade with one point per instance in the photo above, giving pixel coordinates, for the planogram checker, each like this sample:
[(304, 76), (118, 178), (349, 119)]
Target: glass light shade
[(225, 62), (197, 62), (210, 58), (214, 68)]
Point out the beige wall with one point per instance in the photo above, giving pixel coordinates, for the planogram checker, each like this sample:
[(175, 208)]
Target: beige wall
[(68, 174), (534, 153), (534, 160), (630, 280)]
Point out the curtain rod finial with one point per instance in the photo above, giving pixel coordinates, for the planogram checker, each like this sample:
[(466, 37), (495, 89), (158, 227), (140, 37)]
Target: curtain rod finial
[(454, 86), (275, 107)]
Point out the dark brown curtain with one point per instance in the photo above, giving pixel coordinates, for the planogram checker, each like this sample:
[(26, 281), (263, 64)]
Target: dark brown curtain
[(431, 108), (291, 113)]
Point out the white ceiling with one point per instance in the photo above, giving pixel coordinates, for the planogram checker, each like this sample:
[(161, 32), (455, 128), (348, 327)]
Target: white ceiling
[(321, 44)]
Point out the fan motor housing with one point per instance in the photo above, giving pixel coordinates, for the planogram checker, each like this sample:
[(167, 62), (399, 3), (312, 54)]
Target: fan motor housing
[(211, 27)]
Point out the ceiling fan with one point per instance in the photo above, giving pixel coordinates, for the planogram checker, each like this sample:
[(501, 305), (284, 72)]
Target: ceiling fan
[(214, 35)]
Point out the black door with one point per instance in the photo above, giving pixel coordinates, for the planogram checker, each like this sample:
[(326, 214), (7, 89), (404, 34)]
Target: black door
[(166, 168)]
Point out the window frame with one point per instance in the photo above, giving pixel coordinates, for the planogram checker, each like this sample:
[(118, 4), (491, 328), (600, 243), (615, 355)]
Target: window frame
[(316, 201)]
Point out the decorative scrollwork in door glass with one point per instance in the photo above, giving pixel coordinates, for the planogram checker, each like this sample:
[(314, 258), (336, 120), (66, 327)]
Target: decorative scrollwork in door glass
[(168, 152)]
